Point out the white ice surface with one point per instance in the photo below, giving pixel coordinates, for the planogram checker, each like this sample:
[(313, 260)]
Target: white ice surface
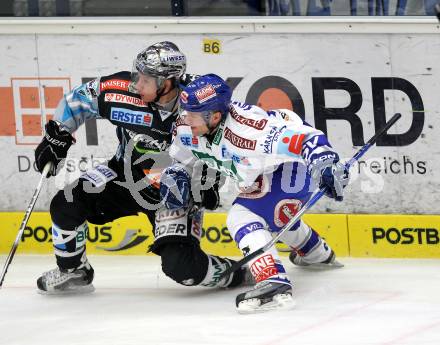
[(368, 302)]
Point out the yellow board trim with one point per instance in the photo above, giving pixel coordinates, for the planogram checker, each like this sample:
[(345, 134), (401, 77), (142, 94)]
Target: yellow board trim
[(393, 236)]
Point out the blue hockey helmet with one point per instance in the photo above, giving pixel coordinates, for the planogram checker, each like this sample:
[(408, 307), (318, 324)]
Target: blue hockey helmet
[(207, 93)]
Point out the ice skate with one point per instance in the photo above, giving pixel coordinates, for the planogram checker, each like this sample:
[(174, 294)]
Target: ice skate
[(72, 281), (330, 263), (265, 296)]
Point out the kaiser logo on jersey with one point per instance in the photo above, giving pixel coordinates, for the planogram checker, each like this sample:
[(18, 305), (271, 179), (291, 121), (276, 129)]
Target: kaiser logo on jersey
[(132, 117), (114, 84), (290, 143), (205, 93), (120, 98)]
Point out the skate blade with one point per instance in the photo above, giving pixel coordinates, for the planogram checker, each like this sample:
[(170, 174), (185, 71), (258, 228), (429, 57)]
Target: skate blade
[(253, 305), (76, 290), (321, 266)]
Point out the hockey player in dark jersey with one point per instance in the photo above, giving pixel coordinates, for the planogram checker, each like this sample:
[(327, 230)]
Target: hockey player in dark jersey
[(142, 104)]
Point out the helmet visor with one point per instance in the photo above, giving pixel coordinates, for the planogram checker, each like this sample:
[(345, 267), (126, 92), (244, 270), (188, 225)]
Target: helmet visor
[(195, 119), (142, 80)]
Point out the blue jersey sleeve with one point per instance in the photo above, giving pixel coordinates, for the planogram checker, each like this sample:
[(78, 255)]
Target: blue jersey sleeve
[(78, 106)]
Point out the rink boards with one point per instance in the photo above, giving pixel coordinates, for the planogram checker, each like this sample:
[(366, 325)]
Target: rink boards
[(371, 71), (382, 236)]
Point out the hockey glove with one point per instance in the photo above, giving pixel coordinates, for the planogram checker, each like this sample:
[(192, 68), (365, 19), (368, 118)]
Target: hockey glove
[(175, 187), (211, 198), (326, 168), (207, 185), (53, 148)]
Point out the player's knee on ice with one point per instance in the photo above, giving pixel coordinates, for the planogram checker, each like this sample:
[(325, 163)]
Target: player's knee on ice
[(188, 265), (185, 263)]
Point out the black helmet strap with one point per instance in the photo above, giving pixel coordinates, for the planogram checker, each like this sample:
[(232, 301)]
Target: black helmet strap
[(161, 91)]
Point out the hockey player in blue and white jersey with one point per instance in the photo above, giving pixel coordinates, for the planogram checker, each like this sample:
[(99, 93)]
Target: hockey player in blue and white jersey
[(277, 161)]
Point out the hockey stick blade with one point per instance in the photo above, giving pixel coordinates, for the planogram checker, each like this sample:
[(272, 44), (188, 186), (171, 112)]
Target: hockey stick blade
[(27, 214), (234, 267)]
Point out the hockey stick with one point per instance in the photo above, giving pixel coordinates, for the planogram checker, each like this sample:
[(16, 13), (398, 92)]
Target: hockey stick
[(46, 170), (309, 203)]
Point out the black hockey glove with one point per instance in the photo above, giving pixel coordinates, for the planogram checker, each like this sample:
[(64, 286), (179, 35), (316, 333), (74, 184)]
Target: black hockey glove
[(210, 196), (326, 168), (53, 148)]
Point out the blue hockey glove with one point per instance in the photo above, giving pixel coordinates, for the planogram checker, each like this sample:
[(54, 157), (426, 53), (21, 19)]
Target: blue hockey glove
[(175, 187), (326, 168)]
